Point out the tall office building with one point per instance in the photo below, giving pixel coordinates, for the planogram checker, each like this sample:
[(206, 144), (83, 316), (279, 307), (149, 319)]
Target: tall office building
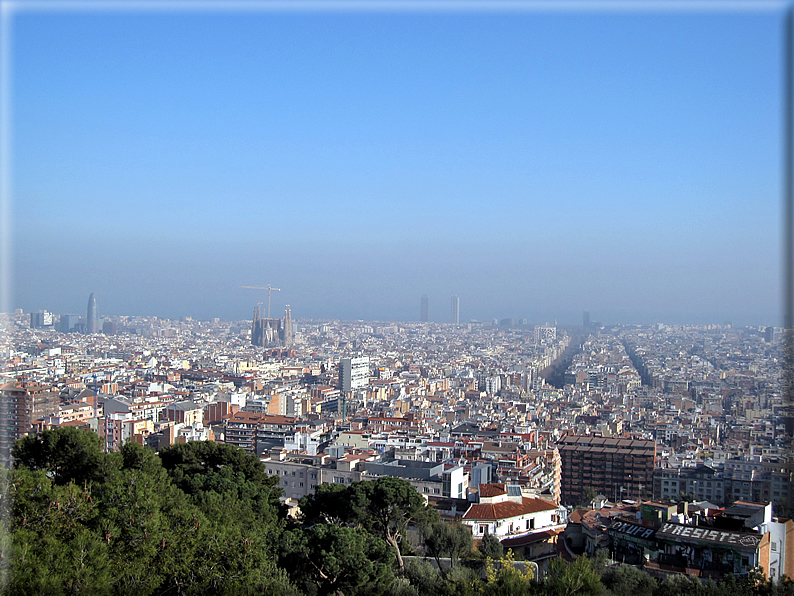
[(92, 318), (353, 373), (586, 319), (41, 319), (424, 309), (545, 333), (455, 310), (68, 323)]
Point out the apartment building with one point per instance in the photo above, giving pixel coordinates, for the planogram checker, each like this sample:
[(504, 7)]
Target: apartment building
[(614, 468)]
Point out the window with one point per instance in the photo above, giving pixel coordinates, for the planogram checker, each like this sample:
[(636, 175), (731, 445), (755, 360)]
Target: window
[(436, 491), (774, 547), (425, 489), (301, 484)]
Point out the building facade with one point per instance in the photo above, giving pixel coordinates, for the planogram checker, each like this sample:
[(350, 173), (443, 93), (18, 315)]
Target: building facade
[(92, 316), (615, 468), (353, 373)]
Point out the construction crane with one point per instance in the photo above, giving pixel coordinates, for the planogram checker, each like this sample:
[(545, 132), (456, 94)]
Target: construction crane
[(269, 291)]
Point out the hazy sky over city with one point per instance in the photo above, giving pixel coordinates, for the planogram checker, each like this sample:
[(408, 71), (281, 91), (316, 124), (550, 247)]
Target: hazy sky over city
[(535, 164)]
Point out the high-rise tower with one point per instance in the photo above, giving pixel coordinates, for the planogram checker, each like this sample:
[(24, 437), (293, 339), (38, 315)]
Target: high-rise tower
[(353, 373), (423, 311), (92, 319), (455, 310), (287, 328)]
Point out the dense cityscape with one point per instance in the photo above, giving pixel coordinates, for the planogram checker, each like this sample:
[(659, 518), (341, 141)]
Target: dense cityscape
[(531, 322), (664, 446)]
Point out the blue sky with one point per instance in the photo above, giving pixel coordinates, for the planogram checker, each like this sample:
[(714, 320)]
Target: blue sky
[(537, 165)]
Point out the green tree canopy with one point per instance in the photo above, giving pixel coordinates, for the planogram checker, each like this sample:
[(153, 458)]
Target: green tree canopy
[(508, 579), (65, 454), (337, 559), (387, 505), (207, 470), (491, 547), (84, 521), (577, 578), (447, 540), (625, 580), (330, 503)]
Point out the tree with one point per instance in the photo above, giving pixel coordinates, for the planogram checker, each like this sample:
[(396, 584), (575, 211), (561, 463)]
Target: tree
[(491, 547), (387, 506), (508, 580), (577, 578), (223, 480), (587, 497), (127, 529), (625, 580), (338, 559), (65, 453), (53, 548), (447, 540), (330, 503), (423, 577), (680, 585)]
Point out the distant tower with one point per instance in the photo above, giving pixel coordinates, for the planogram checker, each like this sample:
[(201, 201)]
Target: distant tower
[(586, 319), (92, 320), (256, 329), (287, 328), (424, 309), (455, 310)]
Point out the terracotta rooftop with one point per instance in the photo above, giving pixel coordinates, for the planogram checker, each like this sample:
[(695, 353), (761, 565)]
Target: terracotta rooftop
[(492, 490), (507, 509)]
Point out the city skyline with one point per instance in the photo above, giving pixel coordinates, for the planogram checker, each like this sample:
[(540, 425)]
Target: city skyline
[(534, 164)]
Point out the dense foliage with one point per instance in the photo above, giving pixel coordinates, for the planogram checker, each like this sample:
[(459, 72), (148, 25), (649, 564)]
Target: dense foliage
[(204, 518)]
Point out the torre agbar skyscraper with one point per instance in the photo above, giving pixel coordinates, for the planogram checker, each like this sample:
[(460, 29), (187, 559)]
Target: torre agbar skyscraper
[(92, 319)]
